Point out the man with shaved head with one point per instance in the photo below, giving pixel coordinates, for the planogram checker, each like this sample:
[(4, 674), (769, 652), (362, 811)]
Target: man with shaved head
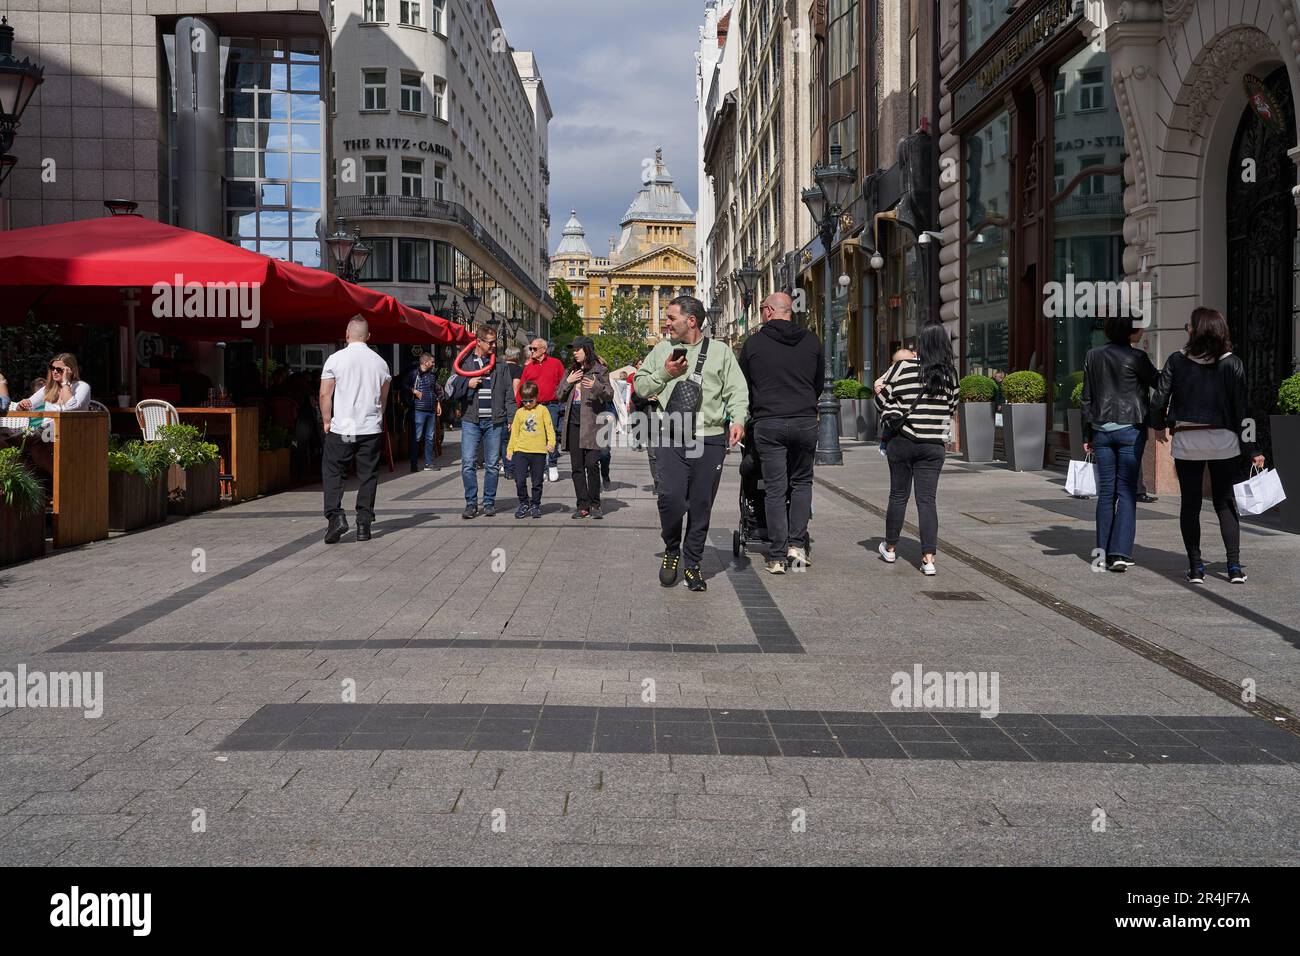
[(783, 365), (353, 392)]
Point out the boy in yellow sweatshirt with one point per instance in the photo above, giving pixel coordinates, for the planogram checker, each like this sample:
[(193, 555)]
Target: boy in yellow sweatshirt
[(532, 438)]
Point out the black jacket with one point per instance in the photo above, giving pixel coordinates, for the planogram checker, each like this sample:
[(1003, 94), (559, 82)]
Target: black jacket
[(1203, 393), (1116, 380), (784, 367)]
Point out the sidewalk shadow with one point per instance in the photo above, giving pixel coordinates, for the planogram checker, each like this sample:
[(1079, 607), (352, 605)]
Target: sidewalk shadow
[(383, 528), (909, 552), (1079, 542)]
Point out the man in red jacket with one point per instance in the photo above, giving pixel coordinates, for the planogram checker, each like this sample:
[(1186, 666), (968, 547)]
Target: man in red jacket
[(546, 371)]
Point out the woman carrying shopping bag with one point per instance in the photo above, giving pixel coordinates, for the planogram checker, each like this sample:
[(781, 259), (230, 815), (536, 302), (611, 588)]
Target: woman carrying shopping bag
[(1117, 378), (1202, 395)]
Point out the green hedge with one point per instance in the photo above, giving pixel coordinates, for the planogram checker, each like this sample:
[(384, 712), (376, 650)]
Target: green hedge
[(1288, 396), (978, 388), (1024, 388), (1076, 396), (146, 459), (847, 388)]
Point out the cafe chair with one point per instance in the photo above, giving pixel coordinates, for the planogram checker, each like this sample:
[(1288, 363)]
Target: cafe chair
[(153, 413)]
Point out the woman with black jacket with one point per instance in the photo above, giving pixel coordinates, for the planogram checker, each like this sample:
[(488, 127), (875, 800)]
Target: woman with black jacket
[(585, 390), (1117, 378), (1201, 396)]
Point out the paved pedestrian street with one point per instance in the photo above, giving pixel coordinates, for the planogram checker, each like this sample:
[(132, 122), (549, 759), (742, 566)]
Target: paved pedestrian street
[(503, 691)]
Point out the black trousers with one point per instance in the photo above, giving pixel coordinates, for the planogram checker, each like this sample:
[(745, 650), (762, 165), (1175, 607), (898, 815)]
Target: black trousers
[(334, 469), (687, 489), (529, 463), (1223, 475), (654, 471), (914, 464), (786, 447), (586, 467)]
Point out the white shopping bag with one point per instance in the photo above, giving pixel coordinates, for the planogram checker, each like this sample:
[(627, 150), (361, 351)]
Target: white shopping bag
[(1259, 492), (1082, 479)]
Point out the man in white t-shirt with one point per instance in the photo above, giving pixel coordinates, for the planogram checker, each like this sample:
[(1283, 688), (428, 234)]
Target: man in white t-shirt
[(353, 393)]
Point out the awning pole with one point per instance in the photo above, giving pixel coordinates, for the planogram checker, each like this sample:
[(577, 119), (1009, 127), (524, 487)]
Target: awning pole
[(266, 355)]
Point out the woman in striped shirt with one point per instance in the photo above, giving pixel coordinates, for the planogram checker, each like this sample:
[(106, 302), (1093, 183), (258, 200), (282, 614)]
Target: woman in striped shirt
[(916, 399)]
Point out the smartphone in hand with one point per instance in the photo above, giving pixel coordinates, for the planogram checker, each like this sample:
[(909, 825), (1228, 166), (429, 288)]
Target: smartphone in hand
[(679, 354)]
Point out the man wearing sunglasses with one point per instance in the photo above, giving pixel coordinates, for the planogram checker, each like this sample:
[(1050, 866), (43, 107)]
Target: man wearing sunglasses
[(546, 371)]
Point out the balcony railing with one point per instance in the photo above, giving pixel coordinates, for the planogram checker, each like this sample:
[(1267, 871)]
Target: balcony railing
[(1098, 204), (424, 207)]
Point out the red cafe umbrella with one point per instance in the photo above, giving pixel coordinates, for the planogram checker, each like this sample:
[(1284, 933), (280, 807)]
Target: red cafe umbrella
[(117, 269)]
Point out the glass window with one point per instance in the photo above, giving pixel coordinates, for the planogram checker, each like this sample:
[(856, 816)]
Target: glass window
[(1058, 94), (413, 260), (273, 194), (376, 175), (438, 16), (379, 267), (980, 19), (306, 196), (1088, 222), (986, 242), (372, 11), (413, 92), (440, 98), (439, 181), (409, 12), (275, 165), (374, 90), (1092, 89), (413, 177)]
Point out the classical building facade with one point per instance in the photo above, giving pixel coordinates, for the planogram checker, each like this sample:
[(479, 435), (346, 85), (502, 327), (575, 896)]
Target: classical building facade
[(652, 261), (1132, 141), (754, 148), (440, 139)]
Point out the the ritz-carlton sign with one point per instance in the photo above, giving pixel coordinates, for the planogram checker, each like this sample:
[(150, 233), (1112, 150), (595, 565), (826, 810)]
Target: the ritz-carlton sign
[(397, 142)]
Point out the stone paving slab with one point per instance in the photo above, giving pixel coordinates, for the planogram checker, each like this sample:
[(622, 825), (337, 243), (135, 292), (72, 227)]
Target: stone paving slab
[(419, 623)]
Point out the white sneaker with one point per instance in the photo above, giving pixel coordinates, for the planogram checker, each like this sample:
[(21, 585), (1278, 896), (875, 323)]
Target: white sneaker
[(889, 556), (553, 474), (798, 556), (927, 568)]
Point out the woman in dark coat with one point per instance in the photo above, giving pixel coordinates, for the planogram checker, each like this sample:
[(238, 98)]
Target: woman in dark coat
[(585, 391)]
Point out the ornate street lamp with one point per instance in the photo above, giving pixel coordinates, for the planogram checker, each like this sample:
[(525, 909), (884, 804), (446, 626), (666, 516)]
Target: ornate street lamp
[(18, 82), (472, 300), (714, 312), (437, 299), (121, 207), (746, 279), (349, 251), (453, 312), (825, 203), (7, 164)]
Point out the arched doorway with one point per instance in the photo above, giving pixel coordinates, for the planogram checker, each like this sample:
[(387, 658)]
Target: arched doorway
[(1261, 233)]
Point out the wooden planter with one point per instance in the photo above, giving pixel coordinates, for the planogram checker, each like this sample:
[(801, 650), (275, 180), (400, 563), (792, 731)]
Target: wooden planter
[(272, 470), (22, 535), (135, 502), (191, 490)]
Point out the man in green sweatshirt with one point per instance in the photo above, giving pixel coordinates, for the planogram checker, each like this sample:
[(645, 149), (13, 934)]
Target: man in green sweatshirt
[(693, 439)]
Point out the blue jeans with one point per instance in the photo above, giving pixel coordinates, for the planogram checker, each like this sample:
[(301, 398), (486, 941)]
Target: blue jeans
[(1118, 455), (423, 424), (471, 434), (555, 408)]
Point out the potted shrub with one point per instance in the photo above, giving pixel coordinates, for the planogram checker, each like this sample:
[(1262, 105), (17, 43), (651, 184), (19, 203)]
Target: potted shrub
[(1024, 416), (22, 509), (192, 478), (975, 416), (1285, 426), (273, 444), (847, 390), (1074, 417), (137, 486)]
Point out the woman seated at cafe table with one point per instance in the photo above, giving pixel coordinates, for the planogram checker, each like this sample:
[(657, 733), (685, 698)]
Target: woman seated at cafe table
[(65, 392), (4, 394)]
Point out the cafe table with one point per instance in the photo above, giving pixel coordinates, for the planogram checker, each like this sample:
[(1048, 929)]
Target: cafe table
[(80, 472)]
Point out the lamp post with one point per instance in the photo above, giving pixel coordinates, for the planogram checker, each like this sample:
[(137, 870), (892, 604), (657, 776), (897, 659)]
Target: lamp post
[(746, 279), (18, 82), (350, 252), (714, 312), (437, 299), (121, 207), (825, 202)]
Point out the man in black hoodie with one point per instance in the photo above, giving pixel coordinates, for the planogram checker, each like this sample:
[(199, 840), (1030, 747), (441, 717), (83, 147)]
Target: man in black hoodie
[(784, 367)]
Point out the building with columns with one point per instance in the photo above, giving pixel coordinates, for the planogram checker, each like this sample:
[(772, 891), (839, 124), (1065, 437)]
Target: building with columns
[(652, 261), (1150, 142)]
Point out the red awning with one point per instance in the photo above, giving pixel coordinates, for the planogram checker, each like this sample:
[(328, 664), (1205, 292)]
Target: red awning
[(190, 285)]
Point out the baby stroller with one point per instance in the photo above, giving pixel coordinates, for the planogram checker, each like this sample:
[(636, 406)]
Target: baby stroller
[(753, 500)]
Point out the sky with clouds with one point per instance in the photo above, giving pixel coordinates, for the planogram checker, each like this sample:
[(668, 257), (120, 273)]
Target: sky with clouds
[(620, 75)]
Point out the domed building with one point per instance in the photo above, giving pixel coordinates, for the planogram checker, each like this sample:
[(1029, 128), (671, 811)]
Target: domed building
[(653, 260)]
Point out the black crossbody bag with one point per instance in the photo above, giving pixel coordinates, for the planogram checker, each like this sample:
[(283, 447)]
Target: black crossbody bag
[(688, 395)]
